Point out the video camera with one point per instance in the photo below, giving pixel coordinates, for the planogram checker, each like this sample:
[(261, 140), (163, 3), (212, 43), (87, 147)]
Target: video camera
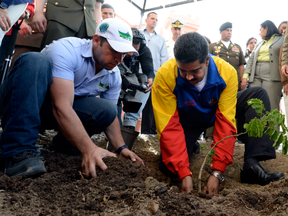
[(130, 83)]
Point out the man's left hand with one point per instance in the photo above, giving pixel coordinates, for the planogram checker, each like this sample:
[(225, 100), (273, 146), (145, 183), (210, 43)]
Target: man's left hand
[(212, 185), (149, 85), (129, 154)]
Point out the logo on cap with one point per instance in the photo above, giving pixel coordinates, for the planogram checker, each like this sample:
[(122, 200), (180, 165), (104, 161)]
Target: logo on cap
[(103, 28), (125, 35)]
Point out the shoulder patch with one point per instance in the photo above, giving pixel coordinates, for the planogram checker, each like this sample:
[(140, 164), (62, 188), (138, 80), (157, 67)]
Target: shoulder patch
[(103, 28)]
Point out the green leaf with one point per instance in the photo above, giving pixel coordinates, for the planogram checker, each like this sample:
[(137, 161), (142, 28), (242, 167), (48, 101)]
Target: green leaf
[(274, 135), (285, 145), (203, 147), (213, 152), (255, 128), (279, 140), (269, 131)]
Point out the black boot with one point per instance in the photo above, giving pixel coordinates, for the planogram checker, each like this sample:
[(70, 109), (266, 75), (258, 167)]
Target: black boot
[(256, 174)]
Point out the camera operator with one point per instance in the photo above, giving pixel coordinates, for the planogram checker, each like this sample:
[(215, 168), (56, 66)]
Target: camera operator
[(138, 64)]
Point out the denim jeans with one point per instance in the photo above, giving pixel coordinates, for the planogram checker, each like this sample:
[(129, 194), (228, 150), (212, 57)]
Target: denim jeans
[(21, 98), (26, 106), (130, 119)]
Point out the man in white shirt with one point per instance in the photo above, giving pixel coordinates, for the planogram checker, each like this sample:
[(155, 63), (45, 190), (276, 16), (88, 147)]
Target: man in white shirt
[(157, 46)]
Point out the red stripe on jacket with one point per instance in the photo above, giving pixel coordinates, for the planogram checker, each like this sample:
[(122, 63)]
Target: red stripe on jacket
[(174, 153)]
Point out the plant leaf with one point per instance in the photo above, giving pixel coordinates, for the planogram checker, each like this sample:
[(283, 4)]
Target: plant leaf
[(279, 140)]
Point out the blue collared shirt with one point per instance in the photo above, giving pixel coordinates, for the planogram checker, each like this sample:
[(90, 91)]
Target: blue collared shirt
[(16, 2), (157, 46), (73, 60)]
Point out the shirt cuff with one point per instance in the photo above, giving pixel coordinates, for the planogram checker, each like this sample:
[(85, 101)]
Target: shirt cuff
[(245, 76), (183, 172), (218, 165)]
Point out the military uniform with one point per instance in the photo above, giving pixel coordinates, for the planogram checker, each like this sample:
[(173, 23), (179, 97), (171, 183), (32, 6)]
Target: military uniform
[(232, 55), (170, 47), (69, 18), (175, 23)]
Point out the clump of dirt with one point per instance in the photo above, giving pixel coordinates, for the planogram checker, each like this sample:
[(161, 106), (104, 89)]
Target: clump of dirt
[(128, 188)]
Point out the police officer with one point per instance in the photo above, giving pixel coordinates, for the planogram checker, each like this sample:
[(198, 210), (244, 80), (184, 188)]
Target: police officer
[(177, 25), (230, 52)]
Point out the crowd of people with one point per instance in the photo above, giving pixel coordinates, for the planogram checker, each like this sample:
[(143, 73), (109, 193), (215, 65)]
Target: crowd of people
[(71, 71)]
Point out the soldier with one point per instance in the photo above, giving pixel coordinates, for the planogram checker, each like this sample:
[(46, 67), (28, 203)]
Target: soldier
[(230, 52), (176, 28)]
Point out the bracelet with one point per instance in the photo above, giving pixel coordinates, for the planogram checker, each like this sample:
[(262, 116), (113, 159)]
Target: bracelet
[(121, 148), (218, 176)]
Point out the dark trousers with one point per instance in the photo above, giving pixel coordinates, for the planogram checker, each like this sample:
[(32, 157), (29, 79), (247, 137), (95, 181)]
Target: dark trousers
[(255, 147), (56, 30), (148, 125)]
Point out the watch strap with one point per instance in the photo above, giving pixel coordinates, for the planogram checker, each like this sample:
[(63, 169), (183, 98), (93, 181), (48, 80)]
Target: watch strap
[(3, 5), (121, 148), (218, 176)]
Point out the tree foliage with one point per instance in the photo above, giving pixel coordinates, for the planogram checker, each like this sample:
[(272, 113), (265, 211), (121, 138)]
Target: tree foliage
[(269, 123)]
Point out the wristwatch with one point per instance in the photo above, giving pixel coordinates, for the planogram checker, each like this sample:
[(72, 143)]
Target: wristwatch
[(218, 176), (102, 1), (3, 5), (27, 14)]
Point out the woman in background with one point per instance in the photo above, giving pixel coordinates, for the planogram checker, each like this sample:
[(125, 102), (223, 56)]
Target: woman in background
[(250, 45), (263, 65), (282, 27)]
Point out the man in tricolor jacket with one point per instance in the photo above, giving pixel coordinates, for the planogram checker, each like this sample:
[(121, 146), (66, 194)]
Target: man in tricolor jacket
[(190, 93)]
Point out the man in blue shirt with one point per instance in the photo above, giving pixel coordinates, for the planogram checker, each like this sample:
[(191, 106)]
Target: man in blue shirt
[(57, 89), (157, 46)]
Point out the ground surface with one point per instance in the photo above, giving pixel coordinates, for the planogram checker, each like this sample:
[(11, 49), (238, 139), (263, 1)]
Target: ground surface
[(127, 188)]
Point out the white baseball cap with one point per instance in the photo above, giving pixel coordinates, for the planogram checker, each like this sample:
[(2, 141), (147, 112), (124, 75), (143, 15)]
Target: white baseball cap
[(118, 34)]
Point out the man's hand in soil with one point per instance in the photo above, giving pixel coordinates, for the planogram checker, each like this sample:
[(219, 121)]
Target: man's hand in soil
[(93, 158), (129, 154), (213, 185), (187, 184)]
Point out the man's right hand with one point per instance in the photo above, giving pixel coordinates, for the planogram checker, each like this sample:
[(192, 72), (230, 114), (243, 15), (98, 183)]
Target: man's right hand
[(285, 70), (187, 184), (92, 158), (5, 22), (39, 22), (244, 83)]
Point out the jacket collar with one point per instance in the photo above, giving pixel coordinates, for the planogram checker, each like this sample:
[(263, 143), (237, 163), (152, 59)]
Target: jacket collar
[(213, 77)]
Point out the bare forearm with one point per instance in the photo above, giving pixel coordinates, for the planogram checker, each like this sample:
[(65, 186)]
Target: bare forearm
[(97, 12), (72, 128), (114, 135), (39, 6)]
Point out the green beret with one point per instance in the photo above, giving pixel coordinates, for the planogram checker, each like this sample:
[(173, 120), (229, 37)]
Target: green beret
[(225, 26)]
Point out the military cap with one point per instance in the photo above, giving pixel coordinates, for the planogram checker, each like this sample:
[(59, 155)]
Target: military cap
[(177, 22), (225, 26)]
